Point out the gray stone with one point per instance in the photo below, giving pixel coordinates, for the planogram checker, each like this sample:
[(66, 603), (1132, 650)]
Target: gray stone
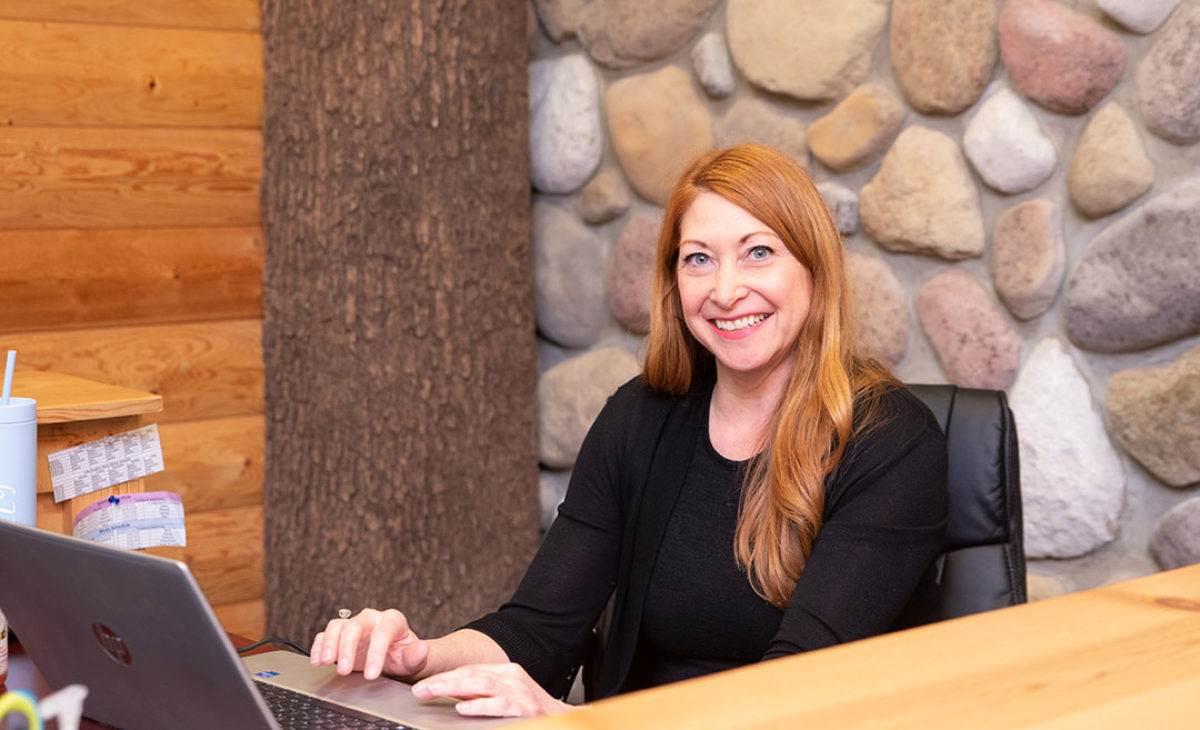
[(1154, 414), (1140, 16), (858, 129), (1136, 285), (604, 198), (630, 273), (943, 52), (714, 70), (976, 347), (1007, 147), (658, 126), (1167, 87), (571, 395), (809, 49), (550, 354), (755, 120), (843, 205), (1039, 587), (923, 199), (626, 33), (559, 18), (1110, 168), (1029, 257), (552, 487), (880, 307), (1072, 480), (1176, 539), (564, 123), (568, 257), (1061, 59)]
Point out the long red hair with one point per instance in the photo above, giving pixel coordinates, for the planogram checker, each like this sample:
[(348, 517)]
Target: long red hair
[(783, 495)]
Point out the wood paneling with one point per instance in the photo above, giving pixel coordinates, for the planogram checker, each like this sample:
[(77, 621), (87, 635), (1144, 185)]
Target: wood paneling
[(70, 278), (213, 464), (68, 74), (228, 14), (244, 619), (128, 178), (225, 553), (202, 370)]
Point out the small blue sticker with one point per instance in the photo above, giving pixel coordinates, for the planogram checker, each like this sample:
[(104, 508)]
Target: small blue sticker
[(266, 675)]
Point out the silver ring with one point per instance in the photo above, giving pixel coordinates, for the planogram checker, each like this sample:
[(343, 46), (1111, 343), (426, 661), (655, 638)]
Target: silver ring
[(343, 613)]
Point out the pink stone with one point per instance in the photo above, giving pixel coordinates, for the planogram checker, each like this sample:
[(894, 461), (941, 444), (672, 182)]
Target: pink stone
[(629, 280), (975, 345), (1059, 58)]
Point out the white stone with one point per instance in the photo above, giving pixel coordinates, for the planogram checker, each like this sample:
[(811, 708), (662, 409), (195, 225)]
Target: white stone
[(1007, 147), (710, 59), (1140, 16), (552, 487), (565, 136), (1072, 480)]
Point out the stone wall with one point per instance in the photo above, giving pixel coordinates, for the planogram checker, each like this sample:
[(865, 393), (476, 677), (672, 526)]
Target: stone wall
[(1016, 182)]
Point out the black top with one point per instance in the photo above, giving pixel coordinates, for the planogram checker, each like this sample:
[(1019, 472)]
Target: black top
[(884, 522), (701, 614)]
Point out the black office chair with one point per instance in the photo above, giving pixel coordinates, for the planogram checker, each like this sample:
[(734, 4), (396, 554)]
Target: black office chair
[(983, 566), (983, 563)]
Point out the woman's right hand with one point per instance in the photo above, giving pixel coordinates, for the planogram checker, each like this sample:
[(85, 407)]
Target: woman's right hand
[(373, 642)]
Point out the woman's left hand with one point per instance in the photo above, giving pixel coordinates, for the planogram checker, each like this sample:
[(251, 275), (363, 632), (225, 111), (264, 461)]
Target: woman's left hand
[(491, 690)]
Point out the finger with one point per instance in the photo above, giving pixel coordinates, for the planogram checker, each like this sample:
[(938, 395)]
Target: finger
[(314, 652), (329, 644), (348, 646), (495, 707), (391, 629)]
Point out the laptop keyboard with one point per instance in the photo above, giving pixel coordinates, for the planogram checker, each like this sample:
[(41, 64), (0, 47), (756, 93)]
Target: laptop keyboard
[(294, 711)]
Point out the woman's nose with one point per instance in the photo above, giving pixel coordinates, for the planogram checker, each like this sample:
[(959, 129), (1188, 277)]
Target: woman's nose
[(728, 286)]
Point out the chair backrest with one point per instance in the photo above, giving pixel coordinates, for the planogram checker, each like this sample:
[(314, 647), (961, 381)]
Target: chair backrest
[(983, 566)]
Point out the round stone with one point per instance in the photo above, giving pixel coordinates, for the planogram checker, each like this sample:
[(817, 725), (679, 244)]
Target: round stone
[(571, 395), (943, 52), (714, 70), (975, 345), (1176, 539), (566, 142), (880, 307), (858, 129), (1167, 87), (1110, 168), (1029, 257), (1007, 147), (631, 271), (604, 198), (571, 308), (755, 120), (628, 33)]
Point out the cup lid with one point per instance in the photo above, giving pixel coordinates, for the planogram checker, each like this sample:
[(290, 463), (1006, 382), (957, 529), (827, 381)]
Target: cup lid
[(18, 410)]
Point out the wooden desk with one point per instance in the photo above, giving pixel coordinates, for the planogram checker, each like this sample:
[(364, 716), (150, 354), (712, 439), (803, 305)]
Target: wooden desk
[(1121, 656), (72, 411)]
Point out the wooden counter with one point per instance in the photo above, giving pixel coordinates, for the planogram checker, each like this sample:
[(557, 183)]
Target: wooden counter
[(1121, 656), (72, 411)]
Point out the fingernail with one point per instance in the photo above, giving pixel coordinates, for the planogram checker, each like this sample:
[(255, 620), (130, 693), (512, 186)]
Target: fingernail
[(344, 665), (371, 670)]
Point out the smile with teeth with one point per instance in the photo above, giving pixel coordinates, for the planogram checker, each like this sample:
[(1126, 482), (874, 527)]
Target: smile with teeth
[(741, 323)]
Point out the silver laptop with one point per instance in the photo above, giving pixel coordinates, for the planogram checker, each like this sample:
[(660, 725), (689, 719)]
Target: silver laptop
[(137, 631)]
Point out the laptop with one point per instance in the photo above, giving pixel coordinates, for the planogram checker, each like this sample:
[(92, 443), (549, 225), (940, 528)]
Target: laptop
[(137, 631)]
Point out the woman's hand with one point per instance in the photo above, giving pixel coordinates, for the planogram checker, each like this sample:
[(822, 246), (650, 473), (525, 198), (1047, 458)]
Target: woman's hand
[(492, 690), (372, 642)]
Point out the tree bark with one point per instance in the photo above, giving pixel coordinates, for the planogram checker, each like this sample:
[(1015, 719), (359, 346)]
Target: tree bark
[(398, 332)]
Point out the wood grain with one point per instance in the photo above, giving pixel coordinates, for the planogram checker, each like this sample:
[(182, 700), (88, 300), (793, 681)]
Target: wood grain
[(244, 618), (63, 398), (1121, 656), (228, 14), (70, 75), (202, 370), (225, 553), (212, 464), (128, 178), (61, 279)]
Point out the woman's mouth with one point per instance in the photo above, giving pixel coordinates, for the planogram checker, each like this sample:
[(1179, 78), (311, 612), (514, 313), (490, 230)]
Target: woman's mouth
[(741, 323)]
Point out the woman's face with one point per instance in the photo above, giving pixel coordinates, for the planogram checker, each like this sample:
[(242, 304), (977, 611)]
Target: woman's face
[(745, 297)]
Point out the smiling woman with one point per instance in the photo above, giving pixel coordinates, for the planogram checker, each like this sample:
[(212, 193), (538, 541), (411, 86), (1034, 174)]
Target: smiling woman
[(760, 490)]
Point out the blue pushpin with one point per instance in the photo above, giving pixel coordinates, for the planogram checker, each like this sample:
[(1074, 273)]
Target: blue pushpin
[(114, 500)]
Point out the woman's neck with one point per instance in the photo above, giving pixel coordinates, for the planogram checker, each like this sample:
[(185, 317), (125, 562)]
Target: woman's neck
[(741, 410)]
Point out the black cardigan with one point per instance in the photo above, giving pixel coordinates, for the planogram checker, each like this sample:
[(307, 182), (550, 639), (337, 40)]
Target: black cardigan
[(885, 516)]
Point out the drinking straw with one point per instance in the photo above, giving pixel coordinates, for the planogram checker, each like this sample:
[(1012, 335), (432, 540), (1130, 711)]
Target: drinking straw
[(8, 373)]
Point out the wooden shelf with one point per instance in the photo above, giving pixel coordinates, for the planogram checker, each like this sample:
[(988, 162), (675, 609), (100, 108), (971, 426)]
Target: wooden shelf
[(67, 398)]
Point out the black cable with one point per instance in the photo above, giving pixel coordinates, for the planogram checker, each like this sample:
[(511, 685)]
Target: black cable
[(274, 640)]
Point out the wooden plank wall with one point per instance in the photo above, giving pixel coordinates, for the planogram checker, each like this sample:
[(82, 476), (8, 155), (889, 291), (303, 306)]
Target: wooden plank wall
[(131, 247)]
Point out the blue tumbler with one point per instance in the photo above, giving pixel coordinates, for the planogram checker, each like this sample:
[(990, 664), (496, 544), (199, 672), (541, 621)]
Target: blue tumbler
[(18, 461)]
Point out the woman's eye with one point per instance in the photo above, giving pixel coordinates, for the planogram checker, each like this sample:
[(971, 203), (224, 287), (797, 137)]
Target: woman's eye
[(696, 259), (759, 253)]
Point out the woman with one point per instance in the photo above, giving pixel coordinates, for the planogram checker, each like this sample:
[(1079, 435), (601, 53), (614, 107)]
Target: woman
[(760, 490)]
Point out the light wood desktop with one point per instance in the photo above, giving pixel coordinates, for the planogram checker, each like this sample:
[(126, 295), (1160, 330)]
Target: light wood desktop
[(1121, 656)]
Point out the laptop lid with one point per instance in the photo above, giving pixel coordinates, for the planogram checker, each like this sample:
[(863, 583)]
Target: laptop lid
[(138, 632)]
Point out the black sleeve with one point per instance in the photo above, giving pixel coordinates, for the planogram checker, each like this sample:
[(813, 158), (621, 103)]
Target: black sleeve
[(885, 520), (549, 619)]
